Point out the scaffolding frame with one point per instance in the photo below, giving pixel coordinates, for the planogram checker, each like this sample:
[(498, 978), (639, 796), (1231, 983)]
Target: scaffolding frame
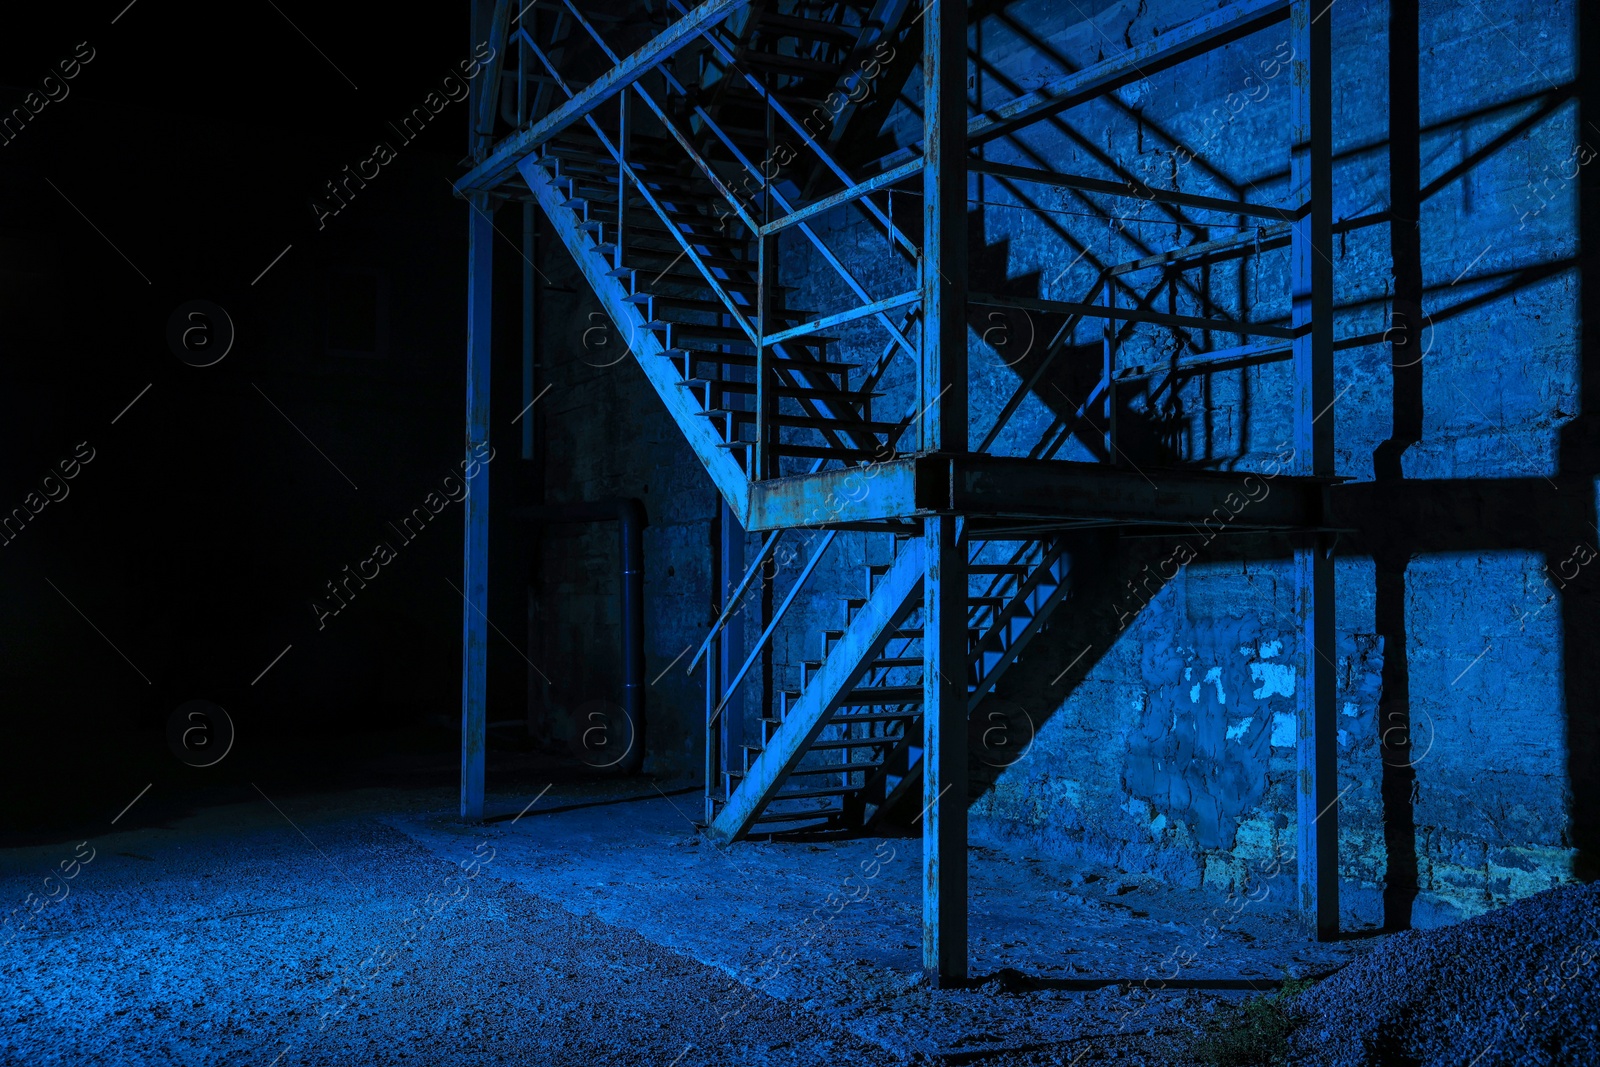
[(568, 143)]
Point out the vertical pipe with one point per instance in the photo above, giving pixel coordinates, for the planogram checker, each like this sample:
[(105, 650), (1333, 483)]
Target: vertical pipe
[(944, 723), (1311, 266), (475, 570), (942, 376), (630, 530)]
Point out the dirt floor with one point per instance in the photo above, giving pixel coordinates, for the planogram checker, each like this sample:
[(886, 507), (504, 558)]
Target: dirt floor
[(596, 927)]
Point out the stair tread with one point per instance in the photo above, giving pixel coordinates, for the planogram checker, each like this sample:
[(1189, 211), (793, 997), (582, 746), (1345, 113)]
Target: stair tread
[(885, 716), (798, 816), (816, 794), (834, 768), (842, 744), (884, 694)]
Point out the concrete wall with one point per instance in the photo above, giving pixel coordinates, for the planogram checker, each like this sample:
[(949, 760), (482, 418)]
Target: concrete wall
[(1465, 710)]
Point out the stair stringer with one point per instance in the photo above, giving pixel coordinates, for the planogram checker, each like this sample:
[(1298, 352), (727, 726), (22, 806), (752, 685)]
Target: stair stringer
[(726, 473), (898, 594)]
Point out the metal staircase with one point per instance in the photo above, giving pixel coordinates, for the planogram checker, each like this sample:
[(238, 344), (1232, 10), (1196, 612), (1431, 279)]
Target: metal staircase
[(683, 154), (849, 741), (668, 204)]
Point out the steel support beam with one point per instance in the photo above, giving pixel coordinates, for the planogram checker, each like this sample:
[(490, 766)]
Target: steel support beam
[(475, 567), (942, 426), (943, 372), (1311, 272), (980, 486), (502, 161), (944, 724), (730, 650)]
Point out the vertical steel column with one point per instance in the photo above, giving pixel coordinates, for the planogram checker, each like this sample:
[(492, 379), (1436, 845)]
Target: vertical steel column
[(624, 134), (1311, 258), (944, 722), (763, 463), (1108, 369), (536, 696), (730, 651), (713, 762), (475, 573), (942, 375)]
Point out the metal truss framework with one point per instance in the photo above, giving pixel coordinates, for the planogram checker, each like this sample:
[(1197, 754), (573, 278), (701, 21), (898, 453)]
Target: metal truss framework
[(670, 150)]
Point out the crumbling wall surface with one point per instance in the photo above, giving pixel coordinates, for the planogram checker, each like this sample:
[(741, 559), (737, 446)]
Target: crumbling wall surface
[(1164, 703), (1161, 696)]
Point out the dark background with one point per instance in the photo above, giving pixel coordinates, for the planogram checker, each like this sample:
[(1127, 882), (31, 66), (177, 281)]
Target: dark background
[(194, 542)]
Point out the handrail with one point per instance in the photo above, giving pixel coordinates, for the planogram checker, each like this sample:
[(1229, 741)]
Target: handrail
[(777, 617), (733, 600), (876, 309)]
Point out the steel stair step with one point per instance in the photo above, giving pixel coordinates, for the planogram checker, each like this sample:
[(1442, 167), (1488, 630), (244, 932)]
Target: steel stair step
[(799, 392), (876, 716), (815, 794), (808, 29), (748, 359), (855, 742), (834, 768), (878, 696), (821, 814), (742, 417)]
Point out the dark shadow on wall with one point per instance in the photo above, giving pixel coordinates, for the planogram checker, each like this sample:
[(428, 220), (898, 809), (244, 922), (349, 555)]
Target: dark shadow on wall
[(1398, 776), (1579, 462)]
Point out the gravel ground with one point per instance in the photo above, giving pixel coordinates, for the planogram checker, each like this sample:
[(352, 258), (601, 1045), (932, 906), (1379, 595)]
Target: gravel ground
[(250, 944), (369, 927), (1073, 964), (1520, 985)]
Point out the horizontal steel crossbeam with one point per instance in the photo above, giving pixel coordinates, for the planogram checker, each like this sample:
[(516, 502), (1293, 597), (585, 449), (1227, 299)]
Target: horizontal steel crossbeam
[(1042, 491)]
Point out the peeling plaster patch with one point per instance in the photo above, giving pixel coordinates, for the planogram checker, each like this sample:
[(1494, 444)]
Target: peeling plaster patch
[(1158, 824), (1237, 730), (1271, 649), (1282, 729), (1351, 710), (1275, 680), (1344, 738), (1247, 650), (1180, 757)]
